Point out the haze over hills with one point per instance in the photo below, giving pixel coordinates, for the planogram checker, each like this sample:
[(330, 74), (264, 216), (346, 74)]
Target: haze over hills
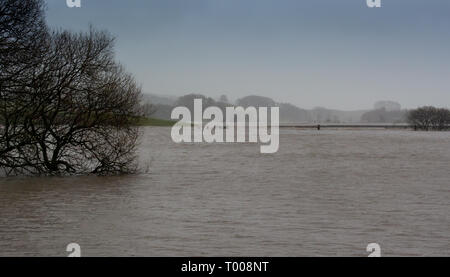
[(383, 111)]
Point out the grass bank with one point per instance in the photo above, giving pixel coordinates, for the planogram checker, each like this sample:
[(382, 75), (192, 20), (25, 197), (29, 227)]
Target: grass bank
[(143, 121)]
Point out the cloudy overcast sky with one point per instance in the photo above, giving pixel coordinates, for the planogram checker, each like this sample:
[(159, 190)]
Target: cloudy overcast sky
[(335, 54)]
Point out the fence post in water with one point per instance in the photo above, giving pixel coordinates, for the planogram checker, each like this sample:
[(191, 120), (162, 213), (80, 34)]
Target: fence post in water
[(318, 127)]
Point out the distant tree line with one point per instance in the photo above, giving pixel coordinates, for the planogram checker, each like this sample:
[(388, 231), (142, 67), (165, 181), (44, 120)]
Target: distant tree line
[(425, 118), (430, 118), (382, 115), (66, 106)]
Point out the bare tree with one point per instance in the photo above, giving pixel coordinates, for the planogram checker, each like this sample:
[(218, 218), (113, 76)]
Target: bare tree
[(22, 36), (430, 118), (148, 109), (441, 119), (22, 43), (72, 111)]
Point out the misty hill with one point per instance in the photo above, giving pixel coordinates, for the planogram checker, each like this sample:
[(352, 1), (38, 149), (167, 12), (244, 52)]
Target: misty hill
[(387, 105), (159, 99), (188, 101), (288, 113), (324, 115), (385, 116), (292, 114), (384, 112), (256, 101)]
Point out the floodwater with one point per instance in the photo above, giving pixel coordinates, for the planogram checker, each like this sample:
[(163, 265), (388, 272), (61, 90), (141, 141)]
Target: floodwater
[(327, 193)]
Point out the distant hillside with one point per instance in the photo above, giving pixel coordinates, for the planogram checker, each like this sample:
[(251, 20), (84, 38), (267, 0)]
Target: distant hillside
[(292, 114), (256, 101), (159, 99), (323, 115), (385, 116), (289, 113), (387, 105)]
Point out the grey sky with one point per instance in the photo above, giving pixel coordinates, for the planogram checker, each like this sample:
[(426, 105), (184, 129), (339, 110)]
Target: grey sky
[(336, 54)]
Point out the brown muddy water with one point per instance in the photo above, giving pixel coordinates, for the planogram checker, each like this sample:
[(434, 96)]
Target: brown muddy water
[(327, 193)]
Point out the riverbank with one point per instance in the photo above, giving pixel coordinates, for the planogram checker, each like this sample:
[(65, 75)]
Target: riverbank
[(143, 121)]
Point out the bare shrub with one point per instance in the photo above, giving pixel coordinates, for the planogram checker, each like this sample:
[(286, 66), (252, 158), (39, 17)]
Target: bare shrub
[(430, 118)]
